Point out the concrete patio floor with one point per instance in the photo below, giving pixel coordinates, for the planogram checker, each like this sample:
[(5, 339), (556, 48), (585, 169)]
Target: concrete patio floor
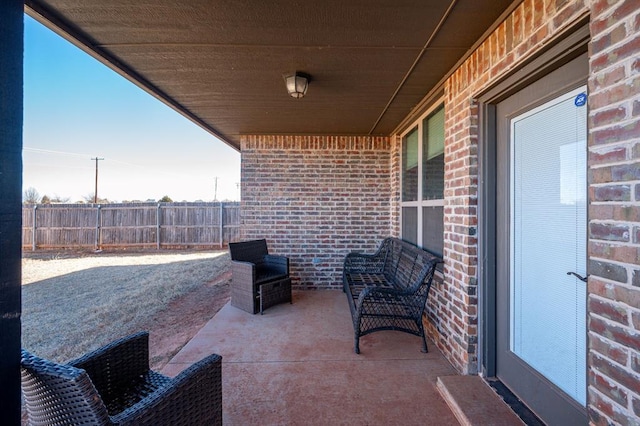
[(295, 365)]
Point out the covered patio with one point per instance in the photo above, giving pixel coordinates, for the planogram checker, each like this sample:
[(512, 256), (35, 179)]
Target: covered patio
[(295, 365), (407, 129)]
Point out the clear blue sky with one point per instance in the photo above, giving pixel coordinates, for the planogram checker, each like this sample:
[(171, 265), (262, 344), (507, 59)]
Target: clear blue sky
[(75, 108)]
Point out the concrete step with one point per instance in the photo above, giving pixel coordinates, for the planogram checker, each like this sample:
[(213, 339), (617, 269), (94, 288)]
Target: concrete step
[(473, 402)]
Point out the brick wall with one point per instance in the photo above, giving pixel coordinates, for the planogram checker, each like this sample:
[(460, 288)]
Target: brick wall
[(315, 199), (454, 313), (614, 178), (517, 38), (614, 214)]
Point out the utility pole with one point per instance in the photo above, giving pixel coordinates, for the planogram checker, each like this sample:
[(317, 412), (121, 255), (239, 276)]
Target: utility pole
[(215, 191), (95, 194)]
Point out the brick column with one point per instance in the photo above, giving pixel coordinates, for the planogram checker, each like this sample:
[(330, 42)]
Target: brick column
[(614, 213)]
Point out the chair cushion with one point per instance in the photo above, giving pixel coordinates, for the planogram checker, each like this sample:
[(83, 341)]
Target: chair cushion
[(136, 391), (265, 274)]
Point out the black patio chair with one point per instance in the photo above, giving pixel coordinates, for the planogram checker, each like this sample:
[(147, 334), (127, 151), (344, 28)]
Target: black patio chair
[(114, 386), (259, 279)]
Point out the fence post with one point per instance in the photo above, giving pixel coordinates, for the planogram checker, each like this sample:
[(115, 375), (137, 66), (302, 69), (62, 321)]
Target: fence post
[(221, 224), (34, 242), (97, 245), (158, 216)]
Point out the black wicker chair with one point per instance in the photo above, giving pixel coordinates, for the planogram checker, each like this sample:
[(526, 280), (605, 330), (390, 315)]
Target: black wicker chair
[(259, 279), (114, 386)]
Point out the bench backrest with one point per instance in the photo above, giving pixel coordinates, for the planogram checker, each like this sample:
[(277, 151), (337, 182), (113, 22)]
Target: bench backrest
[(408, 267), (249, 251)]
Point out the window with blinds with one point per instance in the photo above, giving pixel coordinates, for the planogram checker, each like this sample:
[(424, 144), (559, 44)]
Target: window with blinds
[(423, 182)]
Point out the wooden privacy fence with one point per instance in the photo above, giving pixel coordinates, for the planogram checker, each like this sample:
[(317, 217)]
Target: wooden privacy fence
[(160, 225)]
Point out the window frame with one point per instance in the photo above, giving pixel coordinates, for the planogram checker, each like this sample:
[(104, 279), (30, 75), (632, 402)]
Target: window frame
[(419, 204)]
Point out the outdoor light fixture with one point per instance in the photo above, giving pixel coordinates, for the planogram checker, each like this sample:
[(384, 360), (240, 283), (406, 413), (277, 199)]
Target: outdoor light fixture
[(297, 84)]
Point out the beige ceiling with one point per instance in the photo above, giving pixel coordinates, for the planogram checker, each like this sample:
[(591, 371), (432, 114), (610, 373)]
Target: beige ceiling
[(221, 63)]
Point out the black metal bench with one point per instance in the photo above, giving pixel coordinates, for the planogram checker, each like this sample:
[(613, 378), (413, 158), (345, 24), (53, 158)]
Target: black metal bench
[(388, 290)]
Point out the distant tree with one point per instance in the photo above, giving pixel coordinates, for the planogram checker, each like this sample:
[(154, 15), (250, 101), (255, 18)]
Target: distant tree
[(150, 200), (90, 197), (165, 199), (45, 199), (31, 196), (58, 199)]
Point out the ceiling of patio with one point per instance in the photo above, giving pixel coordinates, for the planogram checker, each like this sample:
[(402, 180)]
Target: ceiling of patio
[(221, 63)]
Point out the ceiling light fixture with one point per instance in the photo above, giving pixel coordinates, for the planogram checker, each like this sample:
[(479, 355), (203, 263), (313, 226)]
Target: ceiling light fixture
[(297, 84)]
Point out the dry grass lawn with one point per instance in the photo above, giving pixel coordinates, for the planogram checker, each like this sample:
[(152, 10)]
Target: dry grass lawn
[(73, 303)]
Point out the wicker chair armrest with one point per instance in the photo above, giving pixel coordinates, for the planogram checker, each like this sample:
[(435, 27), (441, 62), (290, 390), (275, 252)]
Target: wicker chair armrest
[(116, 364), (279, 263), (53, 390), (192, 397), (241, 265)]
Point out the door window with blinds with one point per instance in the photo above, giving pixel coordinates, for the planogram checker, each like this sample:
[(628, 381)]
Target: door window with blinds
[(423, 182)]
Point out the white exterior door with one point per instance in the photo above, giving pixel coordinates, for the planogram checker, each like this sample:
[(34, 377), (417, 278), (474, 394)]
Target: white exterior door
[(541, 242), (548, 241)]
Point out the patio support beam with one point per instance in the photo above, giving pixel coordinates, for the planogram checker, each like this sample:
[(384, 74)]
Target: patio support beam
[(11, 64)]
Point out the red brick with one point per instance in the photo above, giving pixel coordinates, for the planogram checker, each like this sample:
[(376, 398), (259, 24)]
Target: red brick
[(608, 77), (623, 336), (611, 250), (635, 362), (623, 294), (608, 388), (605, 231), (625, 172), (609, 310), (614, 352), (612, 193), (599, 175), (622, 9), (609, 116), (608, 39), (613, 94), (607, 156), (604, 406), (635, 320), (627, 213), (600, 6), (615, 372), (610, 271)]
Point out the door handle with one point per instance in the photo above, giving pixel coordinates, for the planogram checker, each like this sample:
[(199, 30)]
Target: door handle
[(580, 277)]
